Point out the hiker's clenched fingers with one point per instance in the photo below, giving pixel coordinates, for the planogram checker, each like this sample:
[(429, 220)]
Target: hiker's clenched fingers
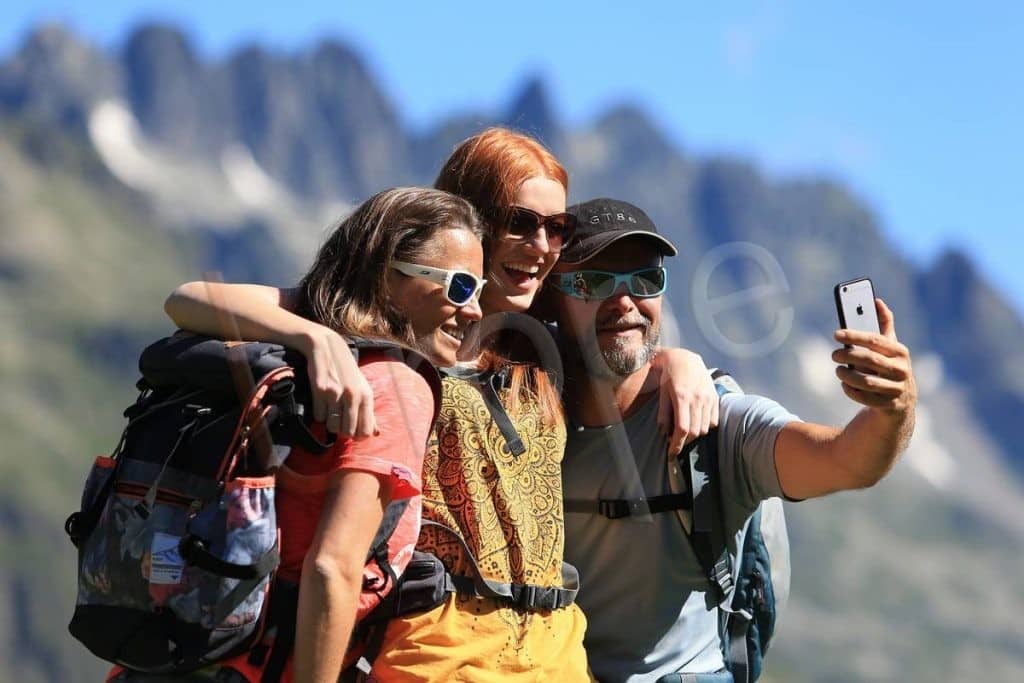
[(342, 398), (324, 386), (867, 398), (873, 362), (878, 392), (879, 343), (868, 382)]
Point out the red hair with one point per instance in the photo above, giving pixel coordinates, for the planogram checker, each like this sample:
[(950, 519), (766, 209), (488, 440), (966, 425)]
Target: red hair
[(488, 169)]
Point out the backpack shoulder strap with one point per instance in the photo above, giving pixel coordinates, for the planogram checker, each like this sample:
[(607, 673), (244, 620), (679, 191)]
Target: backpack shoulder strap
[(619, 508), (489, 387), (708, 536), (490, 382)]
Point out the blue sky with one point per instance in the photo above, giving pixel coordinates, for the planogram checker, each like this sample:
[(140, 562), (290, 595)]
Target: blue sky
[(916, 106)]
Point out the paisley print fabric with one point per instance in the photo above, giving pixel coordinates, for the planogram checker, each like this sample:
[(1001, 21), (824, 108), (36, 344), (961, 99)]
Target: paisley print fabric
[(509, 510)]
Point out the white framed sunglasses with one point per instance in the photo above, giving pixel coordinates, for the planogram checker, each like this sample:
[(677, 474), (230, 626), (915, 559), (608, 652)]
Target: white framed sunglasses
[(460, 287)]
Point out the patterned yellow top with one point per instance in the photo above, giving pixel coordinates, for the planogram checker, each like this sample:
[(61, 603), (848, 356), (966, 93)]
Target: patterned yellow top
[(509, 510)]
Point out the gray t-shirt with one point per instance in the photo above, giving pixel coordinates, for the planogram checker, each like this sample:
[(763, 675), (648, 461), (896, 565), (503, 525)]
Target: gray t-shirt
[(642, 587)]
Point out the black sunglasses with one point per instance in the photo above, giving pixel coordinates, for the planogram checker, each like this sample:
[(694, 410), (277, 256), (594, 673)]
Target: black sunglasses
[(520, 223)]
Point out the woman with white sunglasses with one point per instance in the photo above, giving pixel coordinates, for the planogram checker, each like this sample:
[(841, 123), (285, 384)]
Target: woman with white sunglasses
[(330, 505)]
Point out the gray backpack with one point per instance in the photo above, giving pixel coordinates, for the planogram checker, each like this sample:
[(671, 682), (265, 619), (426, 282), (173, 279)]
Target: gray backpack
[(748, 574)]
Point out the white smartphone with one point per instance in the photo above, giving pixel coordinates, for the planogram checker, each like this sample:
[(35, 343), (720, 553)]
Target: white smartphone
[(855, 303)]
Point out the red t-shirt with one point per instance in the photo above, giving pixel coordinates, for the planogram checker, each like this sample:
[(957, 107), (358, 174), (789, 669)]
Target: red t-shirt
[(403, 404)]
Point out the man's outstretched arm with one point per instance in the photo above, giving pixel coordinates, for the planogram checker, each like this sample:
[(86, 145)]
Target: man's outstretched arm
[(814, 460)]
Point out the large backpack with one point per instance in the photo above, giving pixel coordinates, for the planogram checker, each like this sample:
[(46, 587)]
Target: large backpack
[(177, 535), (747, 575)]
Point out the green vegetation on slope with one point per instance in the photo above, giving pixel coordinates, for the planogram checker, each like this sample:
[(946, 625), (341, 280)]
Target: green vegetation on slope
[(83, 274)]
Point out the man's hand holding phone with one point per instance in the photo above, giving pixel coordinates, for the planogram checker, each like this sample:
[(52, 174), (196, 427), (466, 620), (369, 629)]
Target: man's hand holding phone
[(882, 376)]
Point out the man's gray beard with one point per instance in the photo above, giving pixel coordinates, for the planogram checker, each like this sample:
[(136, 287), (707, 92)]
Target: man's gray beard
[(623, 360)]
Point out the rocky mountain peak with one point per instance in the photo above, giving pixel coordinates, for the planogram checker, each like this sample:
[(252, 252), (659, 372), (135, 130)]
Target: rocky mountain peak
[(164, 85), (56, 77), (160, 43), (334, 55), (531, 110)]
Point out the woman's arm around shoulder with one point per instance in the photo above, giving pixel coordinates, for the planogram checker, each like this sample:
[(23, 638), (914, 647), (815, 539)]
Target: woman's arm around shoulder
[(688, 402), (342, 399)]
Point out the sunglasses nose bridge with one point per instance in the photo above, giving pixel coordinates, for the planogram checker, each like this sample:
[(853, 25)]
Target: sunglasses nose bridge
[(526, 223), (539, 239), (471, 309), (621, 288)]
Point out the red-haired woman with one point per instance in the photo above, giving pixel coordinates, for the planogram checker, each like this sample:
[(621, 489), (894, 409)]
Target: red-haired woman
[(495, 481)]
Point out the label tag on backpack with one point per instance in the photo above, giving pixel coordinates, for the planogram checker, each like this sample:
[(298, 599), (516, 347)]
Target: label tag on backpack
[(166, 564)]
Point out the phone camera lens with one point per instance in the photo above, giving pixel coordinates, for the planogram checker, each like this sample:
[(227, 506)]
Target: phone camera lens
[(845, 288)]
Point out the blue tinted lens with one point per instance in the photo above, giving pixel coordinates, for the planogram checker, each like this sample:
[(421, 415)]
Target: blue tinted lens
[(461, 288)]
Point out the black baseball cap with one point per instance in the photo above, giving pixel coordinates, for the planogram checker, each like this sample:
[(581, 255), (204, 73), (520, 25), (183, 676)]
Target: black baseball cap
[(604, 221)]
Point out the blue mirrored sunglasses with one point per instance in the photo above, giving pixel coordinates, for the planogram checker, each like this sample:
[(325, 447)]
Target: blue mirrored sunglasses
[(460, 287)]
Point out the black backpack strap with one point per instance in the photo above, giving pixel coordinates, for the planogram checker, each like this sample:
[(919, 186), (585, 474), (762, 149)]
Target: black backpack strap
[(379, 548), (707, 535), (374, 641), (489, 388), (525, 596), (291, 419), (490, 382), (708, 532), (80, 525), (194, 551), (619, 508), (282, 613)]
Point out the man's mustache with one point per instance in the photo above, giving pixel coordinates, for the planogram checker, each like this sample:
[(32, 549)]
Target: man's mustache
[(624, 322)]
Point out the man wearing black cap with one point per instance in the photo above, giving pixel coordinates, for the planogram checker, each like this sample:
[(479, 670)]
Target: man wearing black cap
[(644, 588)]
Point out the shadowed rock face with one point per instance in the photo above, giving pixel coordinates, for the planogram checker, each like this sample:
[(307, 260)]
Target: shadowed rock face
[(167, 88), (56, 77), (532, 111), (978, 336), (317, 123)]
